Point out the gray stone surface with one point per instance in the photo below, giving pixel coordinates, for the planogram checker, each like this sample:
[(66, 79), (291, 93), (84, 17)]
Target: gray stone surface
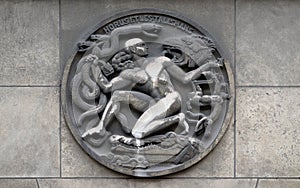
[(29, 42), (290, 183), (79, 17), (218, 163), (76, 163), (268, 42), (29, 124), (18, 183), (146, 183), (268, 132), (267, 118)]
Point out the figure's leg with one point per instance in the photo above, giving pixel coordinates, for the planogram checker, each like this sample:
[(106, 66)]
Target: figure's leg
[(163, 108), (161, 124), (138, 100)]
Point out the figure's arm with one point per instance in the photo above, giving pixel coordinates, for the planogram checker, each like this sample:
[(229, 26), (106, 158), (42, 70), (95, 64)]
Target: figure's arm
[(115, 84), (180, 75)]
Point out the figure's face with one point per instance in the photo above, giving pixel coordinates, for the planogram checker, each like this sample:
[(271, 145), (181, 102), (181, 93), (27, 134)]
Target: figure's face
[(140, 49)]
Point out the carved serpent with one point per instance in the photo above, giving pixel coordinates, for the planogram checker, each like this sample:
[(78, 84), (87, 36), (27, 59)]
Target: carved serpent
[(85, 90), (110, 43)]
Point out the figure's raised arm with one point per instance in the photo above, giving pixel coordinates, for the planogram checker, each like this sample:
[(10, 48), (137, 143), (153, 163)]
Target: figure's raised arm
[(186, 77)]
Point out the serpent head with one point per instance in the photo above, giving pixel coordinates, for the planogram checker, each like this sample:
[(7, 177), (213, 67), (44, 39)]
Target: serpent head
[(151, 30)]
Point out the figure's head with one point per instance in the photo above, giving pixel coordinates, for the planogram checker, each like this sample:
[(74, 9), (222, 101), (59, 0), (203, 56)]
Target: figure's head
[(137, 46)]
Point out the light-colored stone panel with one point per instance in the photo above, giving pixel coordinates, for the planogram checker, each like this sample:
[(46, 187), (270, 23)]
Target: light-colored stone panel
[(146, 183), (268, 42), (29, 130), (279, 183), (76, 162), (79, 17), (218, 163), (18, 183), (29, 42), (268, 132)]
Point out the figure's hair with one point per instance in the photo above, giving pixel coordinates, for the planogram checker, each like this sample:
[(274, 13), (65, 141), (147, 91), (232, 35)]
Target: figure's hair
[(122, 60)]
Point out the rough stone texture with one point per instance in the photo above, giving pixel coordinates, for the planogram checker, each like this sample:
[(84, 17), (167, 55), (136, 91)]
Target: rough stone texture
[(29, 124), (218, 163), (268, 132), (78, 18), (146, 183), (76, 163), (18, 183), (268, 42), (267, 54), (29, 42), (279, 183)]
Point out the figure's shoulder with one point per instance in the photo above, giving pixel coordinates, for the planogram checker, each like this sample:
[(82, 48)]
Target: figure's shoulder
[(163, 60)]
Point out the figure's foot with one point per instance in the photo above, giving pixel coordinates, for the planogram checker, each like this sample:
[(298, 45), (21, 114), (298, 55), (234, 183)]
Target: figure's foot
[(114, 139), (95, 136)]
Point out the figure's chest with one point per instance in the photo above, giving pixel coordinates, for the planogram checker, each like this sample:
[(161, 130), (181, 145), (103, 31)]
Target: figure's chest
[(153, 70)]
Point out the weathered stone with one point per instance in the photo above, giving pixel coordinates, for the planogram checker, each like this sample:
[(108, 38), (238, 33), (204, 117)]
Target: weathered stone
[(159, 66), (29, 43), (268, 42), (279, 183), (267, 132), (29, 124), (219, 163), (76, 163), (146, 183), (217, 17), (17, 183)]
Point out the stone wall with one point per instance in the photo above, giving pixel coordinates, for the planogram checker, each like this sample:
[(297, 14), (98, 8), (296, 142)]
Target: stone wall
[(259, 38)]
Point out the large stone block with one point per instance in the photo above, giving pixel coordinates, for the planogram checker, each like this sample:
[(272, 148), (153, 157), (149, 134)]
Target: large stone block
[(268, 42), (268, 132), (17, 183), (279, 183), (29, 42), (80, 17), (29, 124), (146, 183)]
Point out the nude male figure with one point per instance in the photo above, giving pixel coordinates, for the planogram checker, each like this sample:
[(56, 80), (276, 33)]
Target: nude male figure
[(158, 99)]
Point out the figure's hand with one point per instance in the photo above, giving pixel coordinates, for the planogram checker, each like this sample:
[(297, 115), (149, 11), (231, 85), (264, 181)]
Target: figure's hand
[(104, 84), (194, 99), (102, 79)]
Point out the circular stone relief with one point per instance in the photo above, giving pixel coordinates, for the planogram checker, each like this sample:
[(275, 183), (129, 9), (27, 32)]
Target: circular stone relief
[(147, 93)]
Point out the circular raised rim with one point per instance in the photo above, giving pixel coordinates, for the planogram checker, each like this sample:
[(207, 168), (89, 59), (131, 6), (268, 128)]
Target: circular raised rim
[(227, 120)]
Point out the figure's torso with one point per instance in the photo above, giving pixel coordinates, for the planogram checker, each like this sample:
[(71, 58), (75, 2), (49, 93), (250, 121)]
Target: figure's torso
[(155, 80)]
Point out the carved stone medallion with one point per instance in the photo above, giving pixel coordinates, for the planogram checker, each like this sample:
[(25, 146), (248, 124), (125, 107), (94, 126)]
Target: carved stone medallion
[(147, 93)]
